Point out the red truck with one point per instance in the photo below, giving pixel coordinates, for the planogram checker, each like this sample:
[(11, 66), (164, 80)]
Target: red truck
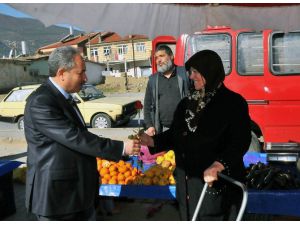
[(264, 67)]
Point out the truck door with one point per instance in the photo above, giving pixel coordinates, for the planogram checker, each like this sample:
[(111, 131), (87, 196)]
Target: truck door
[(248, 77), (283, 88)]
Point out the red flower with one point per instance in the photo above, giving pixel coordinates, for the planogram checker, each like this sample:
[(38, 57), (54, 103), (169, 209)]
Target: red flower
[(138, 105)]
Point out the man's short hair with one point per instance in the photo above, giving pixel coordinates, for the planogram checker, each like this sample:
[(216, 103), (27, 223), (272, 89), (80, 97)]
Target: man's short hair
[(62, 57), (165, 48)]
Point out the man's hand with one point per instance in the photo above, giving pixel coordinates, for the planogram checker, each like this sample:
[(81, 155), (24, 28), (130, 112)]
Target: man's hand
[(211, 173), (132, 147), (150, 131), (145, 139)]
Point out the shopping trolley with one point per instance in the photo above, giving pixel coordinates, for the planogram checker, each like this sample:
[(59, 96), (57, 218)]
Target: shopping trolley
[(229, 179)]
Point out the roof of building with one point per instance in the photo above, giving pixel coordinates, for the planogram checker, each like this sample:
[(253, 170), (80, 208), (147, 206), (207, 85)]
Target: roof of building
[(15, 61), (70, 40), (109, 37)]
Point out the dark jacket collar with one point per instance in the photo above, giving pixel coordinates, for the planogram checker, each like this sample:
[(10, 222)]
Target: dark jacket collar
[(62, 101)]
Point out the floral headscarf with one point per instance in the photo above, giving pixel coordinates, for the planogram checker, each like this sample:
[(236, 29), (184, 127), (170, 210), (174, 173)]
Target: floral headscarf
[(210, 65)]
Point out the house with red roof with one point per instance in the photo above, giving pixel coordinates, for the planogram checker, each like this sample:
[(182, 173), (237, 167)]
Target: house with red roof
[(94, 69), (78, 42), (130, 54)]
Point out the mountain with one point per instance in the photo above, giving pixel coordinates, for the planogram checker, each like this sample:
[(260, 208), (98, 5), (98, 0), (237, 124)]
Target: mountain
[(14, 30)]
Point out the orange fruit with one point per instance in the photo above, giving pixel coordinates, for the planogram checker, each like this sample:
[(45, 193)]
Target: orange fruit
[(133, 172), (127, 173), (99, 162), (128, 165), (121, 182), (121, 177), (113, 173), (129, 180), (112, 168), (105, 163), (112, 181), (106, 176), (104, 171), (122, 169), (114, 177), (104, 181), (121, 163)]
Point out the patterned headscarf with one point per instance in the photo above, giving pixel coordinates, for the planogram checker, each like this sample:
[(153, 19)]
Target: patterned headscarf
[(210, 65)]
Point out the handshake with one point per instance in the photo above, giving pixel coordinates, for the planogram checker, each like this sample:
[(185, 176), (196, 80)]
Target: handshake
[(133, 145)]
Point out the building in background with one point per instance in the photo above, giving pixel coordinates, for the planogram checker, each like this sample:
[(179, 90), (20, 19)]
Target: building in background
[(130, 54), (22, 71), (78, 42), (94, 69)]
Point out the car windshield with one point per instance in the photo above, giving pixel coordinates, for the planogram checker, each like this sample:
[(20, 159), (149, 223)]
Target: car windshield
[(19, 95), (89, 92)]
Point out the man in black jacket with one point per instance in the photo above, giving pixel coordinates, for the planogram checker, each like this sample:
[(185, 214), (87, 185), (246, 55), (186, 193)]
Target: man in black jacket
[(164, 90), (62, 179)]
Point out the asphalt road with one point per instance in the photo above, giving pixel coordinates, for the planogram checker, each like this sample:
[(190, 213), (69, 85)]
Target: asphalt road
[(8, 126)]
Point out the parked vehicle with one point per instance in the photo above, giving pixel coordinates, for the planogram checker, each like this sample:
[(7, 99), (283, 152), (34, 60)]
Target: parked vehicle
[(97, 110), (264, 67)]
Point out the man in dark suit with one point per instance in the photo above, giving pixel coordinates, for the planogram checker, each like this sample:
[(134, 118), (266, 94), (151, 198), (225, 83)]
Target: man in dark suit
[(62, 179)]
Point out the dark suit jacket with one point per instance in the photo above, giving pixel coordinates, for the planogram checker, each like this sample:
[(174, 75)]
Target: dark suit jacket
[(223, 134), (62, 173), (151, 107)]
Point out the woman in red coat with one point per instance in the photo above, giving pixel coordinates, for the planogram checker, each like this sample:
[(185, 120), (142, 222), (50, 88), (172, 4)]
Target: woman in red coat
[(210, 133)]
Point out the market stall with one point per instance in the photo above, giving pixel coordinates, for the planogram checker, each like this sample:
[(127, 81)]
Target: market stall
[(7, 200), (273, 202)]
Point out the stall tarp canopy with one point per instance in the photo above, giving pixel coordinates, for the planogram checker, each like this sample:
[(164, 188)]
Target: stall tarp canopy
[(153, 19)]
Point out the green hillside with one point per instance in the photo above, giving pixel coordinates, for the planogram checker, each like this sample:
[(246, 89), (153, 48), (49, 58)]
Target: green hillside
[(14, 30)]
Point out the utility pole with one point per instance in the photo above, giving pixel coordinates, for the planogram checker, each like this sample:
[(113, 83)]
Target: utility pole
[(126, 76), (133, 56)]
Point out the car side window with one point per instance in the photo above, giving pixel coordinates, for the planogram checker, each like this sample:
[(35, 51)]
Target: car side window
[(18, 95)]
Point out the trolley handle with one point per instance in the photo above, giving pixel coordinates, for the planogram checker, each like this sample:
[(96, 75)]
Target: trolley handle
[(229, 179)]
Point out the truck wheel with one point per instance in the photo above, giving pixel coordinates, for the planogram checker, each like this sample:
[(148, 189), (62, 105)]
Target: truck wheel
[(21, 123), (255, 144), (101, 120)]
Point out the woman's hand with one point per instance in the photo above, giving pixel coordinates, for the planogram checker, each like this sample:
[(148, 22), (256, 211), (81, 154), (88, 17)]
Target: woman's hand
[(145, 139), (211, 173)]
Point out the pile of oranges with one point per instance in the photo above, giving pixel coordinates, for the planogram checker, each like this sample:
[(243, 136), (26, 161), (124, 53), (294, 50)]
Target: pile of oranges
[(124, 173), (116, 172)]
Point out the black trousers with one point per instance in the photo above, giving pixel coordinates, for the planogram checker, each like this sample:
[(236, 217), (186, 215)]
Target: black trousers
[(218, 205)]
